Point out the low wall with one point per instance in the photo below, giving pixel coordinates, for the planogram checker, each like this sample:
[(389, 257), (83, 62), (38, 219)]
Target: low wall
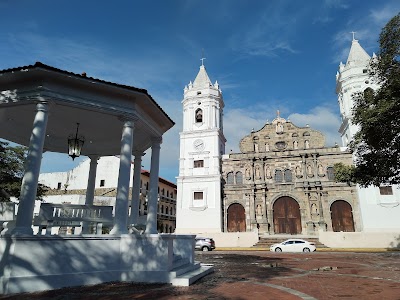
[(232, 239), (360, 239), (35, 263)]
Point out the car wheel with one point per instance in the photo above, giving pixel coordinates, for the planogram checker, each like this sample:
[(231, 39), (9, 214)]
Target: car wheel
[(205, 248), (278, 249), (306, 250)]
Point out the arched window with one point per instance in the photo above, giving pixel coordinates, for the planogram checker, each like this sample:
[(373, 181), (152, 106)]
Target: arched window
[(306, 144), (162, 209), (288, 175), (278, 176), (229, 178), (239, 178), (255, 147), (199, 115), (295, 145), (331, 174), (368, 94)]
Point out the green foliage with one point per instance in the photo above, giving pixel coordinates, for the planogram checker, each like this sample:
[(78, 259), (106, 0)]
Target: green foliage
[(12, 170), (344, 173), (377, 144)]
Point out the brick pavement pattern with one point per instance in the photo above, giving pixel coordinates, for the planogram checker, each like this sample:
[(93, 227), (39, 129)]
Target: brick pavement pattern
[(263, 275)]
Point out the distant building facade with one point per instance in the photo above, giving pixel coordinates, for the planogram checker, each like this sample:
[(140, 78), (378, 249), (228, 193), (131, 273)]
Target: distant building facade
[(282, 182), (70, 188)]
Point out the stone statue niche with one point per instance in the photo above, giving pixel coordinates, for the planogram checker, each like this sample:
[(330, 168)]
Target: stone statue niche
[(259, 213), (268, 172)]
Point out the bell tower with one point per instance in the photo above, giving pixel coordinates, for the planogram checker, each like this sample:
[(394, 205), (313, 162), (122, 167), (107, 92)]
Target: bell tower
[(202, 143), (379, 208), (351, 78)]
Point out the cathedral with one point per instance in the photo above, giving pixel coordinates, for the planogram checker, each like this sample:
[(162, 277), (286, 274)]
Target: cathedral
[(282, 181)]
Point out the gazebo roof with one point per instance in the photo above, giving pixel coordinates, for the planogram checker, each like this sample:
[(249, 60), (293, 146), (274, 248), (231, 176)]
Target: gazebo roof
[(97, 105)]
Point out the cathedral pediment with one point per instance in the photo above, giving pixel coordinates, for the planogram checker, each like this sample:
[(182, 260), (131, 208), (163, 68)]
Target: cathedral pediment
[(281, 135)]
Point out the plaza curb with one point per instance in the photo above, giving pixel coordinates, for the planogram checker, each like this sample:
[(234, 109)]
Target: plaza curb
[(369, 250)]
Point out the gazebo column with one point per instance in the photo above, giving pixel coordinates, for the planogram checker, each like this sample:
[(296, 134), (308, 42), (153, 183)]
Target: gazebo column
[(90, 187), (151, 226), (30, 180), (135, 202), (121, 202)]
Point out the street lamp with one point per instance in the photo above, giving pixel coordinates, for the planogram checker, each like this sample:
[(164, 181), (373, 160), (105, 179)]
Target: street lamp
[(75, 144)]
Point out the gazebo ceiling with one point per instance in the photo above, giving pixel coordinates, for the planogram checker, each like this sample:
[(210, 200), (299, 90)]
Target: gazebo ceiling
[(98, 106)]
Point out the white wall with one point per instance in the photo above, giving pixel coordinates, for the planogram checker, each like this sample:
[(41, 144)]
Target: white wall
[(77, 178), (360, 239), (232, 239), (379, 212)]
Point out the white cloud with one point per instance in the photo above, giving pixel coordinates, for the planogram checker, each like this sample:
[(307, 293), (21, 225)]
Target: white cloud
[(323, 118), (337, 4), (267, 36), (381, 16), (367, 27)]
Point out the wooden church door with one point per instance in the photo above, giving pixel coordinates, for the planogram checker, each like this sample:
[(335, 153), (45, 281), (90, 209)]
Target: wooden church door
[(287, 216), (236, 218), (342, 216)]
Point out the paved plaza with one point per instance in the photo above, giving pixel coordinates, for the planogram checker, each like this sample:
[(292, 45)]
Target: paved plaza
[(264, 275)]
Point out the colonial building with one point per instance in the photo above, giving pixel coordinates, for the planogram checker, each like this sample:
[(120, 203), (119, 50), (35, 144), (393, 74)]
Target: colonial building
[(380, 206), (282, 182), (70, 188)]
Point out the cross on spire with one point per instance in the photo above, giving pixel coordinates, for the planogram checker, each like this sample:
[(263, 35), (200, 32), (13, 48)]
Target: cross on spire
[(202, 57), (353, 32)]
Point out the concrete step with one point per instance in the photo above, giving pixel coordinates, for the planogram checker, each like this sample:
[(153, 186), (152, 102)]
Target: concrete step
[(184, 269), (190, 277)]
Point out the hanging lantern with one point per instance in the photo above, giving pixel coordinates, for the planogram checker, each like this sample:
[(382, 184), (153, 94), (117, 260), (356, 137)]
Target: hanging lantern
[(75, 144)]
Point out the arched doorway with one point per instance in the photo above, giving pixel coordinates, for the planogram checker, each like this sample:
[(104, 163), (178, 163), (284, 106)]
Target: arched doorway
[(342, 216), (287, 216), (236, 218)]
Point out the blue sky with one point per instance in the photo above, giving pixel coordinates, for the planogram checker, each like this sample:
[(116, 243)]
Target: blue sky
[(266, 55)]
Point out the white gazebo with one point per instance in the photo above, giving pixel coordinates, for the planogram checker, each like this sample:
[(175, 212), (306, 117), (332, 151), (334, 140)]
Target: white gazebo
[(46, 109)]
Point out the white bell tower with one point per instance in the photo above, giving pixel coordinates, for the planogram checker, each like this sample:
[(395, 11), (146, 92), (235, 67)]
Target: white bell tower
[(202, 143), (351, 78), (380, 209)]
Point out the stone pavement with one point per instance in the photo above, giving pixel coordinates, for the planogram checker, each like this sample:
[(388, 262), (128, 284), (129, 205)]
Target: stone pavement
[(264, 275)]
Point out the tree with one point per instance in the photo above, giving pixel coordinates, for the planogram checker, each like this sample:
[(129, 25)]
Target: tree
[(344, 173), (377, 143), (12, 170)]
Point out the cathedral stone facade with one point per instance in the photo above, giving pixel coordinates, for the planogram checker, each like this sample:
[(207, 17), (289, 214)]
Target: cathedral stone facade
[(282, 182)]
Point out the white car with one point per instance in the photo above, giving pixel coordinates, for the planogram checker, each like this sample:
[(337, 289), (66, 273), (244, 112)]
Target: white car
[(293, 245)]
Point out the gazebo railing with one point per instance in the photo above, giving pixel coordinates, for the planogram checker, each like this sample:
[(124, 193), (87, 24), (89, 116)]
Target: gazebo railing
[(72, 215)]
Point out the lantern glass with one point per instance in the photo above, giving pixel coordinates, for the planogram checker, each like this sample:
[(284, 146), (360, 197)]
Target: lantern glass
[(75, 144)]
